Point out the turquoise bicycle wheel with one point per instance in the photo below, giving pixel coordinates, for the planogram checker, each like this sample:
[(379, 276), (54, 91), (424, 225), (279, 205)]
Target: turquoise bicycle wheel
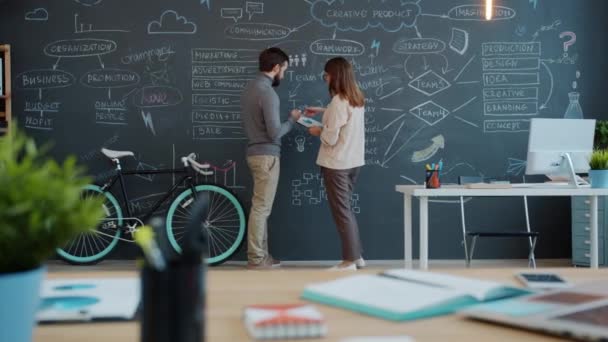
[(92, 246), (225, 223)]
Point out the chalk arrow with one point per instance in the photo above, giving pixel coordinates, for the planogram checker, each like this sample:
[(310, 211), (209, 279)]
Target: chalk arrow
[(427, 153), (445, 69), (56, 63)]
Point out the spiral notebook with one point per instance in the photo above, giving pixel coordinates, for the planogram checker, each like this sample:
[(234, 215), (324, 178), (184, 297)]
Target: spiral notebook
[(284, 321), (401, 295)]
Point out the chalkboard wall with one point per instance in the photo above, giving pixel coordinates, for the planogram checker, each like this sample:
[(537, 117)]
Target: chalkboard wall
[(163, 79)]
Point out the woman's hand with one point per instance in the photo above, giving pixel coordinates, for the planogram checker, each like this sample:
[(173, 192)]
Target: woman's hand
[(312, 111), (295, 114), (315, 131)]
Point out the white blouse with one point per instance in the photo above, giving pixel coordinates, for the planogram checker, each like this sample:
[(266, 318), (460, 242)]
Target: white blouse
[(343, 136)]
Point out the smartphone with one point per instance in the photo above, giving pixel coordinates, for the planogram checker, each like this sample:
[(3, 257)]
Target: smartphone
[(542, 280)]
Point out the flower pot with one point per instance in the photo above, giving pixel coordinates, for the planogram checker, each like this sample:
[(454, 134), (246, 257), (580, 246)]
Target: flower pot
[(20, 297), (599, 178)]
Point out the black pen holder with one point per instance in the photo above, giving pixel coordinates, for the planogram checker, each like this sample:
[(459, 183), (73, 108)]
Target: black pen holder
[(432, 180), (173, 303)]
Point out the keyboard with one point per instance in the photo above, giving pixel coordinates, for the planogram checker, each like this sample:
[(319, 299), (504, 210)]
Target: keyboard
[(550, 185)]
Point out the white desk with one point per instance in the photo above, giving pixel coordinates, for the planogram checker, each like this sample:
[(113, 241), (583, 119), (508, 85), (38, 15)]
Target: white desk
[(423, 195)]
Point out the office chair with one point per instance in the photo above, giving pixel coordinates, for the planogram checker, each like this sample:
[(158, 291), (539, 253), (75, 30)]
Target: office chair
[(474, 235)]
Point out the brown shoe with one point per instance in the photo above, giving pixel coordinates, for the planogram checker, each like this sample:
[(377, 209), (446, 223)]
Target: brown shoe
[(264, 265), (274, 262)]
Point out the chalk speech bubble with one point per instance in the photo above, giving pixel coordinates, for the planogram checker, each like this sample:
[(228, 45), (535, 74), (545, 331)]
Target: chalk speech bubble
[(252, 8), (232, 13)]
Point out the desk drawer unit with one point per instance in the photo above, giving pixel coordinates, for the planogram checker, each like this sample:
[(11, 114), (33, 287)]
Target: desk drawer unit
[(584, 203), (582, 257), (581, 226)]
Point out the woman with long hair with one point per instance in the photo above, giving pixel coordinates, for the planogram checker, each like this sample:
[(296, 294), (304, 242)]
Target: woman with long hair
[(342, 153)]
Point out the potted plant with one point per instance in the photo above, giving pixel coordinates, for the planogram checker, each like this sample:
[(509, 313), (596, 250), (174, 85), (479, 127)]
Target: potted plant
[(599, 169), (40, 210)]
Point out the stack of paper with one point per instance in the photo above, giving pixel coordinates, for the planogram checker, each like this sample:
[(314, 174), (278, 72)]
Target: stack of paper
[(89, 299)]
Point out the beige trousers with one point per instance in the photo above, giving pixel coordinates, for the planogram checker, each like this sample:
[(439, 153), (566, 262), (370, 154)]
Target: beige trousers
[(265, 172)]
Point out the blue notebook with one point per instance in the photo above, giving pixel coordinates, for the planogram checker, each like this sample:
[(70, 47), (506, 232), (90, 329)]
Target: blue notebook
[(401, 295)]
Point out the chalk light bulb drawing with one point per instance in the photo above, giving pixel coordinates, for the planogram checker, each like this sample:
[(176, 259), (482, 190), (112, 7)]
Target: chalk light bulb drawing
[(300, 140), (489, 9)]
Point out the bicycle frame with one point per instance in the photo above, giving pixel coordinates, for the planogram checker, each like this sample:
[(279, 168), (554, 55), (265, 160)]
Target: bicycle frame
[(187, 179), (227, 220)]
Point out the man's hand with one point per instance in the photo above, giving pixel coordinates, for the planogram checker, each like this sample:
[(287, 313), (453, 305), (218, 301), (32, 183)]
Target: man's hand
[(312, 111), (296, 113), (315, 131)]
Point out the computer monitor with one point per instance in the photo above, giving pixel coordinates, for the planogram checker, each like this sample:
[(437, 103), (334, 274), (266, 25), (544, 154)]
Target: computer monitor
[(560, 147)]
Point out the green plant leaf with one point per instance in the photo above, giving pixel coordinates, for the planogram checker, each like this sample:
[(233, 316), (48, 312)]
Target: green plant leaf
[(40, 204), (599, 160)]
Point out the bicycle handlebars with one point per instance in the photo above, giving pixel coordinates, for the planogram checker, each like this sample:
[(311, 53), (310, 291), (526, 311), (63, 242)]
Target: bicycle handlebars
[(190, 161)]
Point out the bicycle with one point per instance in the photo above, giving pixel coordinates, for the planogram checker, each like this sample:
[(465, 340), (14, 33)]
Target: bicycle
[(225, 223)]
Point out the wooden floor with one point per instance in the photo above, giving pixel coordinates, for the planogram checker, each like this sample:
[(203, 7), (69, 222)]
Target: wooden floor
[(129, 265)]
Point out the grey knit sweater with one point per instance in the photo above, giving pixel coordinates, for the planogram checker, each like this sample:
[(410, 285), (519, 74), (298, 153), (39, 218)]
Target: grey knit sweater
[(260, 116)]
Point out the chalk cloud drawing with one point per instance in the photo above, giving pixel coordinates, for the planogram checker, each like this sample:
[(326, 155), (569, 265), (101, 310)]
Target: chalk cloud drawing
[(39, 14), (171, 23), (89, 2)]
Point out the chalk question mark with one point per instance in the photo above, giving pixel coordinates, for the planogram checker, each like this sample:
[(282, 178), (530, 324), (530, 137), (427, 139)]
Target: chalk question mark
[(570, 42)]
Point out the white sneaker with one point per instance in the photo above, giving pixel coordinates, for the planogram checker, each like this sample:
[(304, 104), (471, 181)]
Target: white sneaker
[(344, 266), (360, 263)]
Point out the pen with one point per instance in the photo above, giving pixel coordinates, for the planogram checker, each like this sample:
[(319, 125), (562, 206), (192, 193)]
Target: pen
[(428, 167)]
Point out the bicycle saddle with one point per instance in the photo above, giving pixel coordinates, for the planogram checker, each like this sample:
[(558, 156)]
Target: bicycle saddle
[(116, 154)]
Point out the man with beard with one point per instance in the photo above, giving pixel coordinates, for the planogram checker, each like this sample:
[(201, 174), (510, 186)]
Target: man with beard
[(260, 114)]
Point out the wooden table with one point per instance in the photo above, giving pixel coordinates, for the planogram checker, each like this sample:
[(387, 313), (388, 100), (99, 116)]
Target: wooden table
[(230, 290)]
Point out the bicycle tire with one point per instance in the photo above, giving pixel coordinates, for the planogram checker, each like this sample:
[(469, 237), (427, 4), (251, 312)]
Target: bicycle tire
[(81, 256), (224, 239)]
